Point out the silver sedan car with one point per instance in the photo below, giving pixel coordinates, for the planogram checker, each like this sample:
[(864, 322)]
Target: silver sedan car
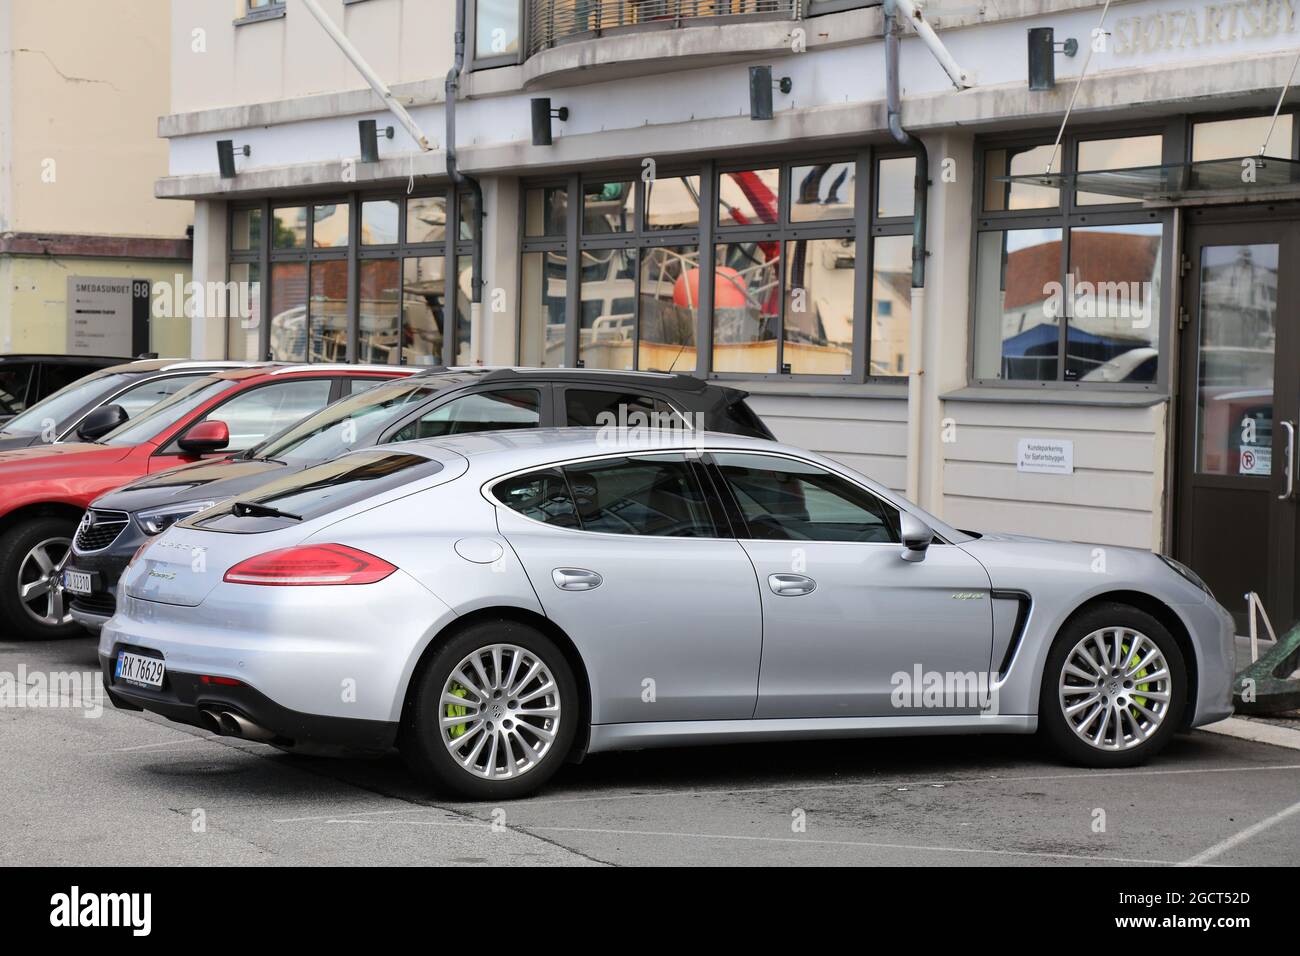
[(497, 604)]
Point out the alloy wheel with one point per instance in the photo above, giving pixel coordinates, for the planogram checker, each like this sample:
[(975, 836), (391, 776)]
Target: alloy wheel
[(1115, 688), (40, 584), (499, 711)]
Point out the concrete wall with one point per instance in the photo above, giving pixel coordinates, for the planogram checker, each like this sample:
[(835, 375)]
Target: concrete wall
[(33, 301), (867, 434), (219, 64), (84, 84), (1115, 495)]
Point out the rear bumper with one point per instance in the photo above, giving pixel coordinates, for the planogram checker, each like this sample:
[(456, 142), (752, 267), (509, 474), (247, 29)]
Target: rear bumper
[(183, 698)]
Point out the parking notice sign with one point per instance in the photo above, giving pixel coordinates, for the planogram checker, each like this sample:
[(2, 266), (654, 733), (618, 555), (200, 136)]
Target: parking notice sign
[(1255, 460)]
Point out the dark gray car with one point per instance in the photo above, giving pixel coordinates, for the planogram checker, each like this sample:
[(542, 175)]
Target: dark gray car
[(434, 404)]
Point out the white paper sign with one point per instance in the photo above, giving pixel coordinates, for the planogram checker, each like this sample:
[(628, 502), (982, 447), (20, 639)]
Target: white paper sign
[(1050, 456), (1256, 460)]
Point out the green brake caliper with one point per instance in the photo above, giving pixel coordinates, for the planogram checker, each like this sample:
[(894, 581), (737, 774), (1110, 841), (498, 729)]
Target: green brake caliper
[(457, 710), (1142, 701)]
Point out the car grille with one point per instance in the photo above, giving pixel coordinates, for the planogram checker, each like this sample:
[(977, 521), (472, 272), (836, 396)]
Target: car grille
[(99, 529), (100, 603)]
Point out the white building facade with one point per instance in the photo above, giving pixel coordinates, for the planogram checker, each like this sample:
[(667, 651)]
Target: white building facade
[(1105, 346)]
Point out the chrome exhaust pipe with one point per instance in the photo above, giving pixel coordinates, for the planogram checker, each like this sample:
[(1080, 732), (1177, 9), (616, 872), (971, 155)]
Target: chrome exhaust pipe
[(237, 726), (211, 721)]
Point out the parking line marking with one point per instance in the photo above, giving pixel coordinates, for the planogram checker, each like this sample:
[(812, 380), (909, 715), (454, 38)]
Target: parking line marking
[(862, 844), (1237, 839), (1028, 778), (158, 746)]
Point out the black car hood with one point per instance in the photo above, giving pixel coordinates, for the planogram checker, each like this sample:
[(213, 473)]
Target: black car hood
[(204, 481)]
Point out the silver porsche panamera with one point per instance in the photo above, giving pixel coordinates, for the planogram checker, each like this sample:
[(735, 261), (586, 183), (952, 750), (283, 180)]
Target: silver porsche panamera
[(496, 604)]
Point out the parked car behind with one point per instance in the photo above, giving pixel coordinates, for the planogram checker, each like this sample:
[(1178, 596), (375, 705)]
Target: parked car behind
[(133, 386), (430, 405), (505, 602), (26, 379), (44, 489)]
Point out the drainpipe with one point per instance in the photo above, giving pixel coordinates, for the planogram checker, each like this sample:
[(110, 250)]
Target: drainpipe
[(460, 180), (893, 107)]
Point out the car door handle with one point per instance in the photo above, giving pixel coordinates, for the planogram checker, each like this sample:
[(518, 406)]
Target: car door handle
[(575, 579), (788, 585)]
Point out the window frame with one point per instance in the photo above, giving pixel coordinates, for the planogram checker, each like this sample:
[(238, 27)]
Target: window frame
[(271, 10), (264, 256), (503, 59), (722, 530), (737, 513), (171, 446), (863, 227), (1066, 216), (442, 401)]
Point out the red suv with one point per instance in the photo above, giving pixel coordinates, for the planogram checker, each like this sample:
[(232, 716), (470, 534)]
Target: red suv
[(44, 490)]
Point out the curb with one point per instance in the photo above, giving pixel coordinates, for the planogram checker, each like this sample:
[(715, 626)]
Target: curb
[(1256, 731)]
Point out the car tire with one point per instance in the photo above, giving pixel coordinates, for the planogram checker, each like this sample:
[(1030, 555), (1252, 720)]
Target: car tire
[(21, 564), (1112, 713), (507, 745)]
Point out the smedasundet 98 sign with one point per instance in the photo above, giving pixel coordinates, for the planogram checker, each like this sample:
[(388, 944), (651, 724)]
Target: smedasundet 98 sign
[(107, 315)]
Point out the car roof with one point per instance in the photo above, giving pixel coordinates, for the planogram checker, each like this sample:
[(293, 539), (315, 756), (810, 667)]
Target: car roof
[(59, 357), (524, 447), (177, 364)]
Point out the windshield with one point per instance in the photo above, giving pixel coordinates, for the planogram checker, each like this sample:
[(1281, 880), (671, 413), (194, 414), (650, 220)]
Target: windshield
[(167, 413), (318, 491), (346, 424), (61, 405)]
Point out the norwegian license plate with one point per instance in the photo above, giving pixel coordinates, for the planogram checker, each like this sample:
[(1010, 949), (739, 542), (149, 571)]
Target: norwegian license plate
[(78, 582), (138, 669)]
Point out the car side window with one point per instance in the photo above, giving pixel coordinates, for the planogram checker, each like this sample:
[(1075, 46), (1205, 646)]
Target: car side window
[(147, 394), (496, 410), (587, 407), (541, 495), (656, 495), (785, 499), (359, 383), (260, 412), (14, 379), (57, 375)]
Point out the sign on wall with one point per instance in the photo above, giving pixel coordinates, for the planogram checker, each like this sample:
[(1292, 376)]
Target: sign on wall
[(107, 316), (1050, 456)]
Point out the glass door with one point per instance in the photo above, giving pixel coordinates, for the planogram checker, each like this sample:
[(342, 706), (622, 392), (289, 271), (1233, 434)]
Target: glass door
[(1240, 391)]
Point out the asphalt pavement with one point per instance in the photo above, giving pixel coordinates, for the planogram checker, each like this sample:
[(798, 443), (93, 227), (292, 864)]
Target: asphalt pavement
[(83, 784)]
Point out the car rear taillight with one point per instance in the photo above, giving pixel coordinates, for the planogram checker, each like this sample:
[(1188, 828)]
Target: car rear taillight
[(309, 564)]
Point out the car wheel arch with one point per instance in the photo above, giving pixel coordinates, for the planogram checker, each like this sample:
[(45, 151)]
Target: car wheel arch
[(41, 509), (520, 615), (1163, 613)]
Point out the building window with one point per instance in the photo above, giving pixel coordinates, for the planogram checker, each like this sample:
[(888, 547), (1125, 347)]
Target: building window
[(496, 32), (391, 246), (769, 277), (255, 10), (1069, 285), (1241, 137)]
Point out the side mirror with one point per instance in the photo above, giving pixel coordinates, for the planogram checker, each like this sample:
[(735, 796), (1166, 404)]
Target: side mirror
[(101, 421), (917, 536), (205, 438)]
